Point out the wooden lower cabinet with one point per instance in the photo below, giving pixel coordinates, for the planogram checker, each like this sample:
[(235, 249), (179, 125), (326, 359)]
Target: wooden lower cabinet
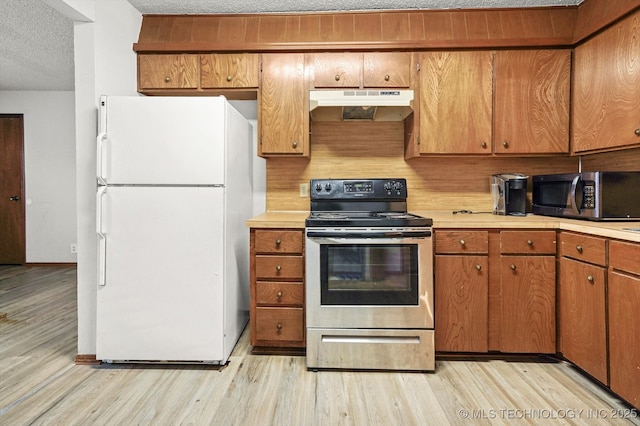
[(495, 291), (528, 291), (277, 320), (583, 326), (624, 322)]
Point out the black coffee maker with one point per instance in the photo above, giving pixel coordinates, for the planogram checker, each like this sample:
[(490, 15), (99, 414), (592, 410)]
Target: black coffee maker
[(509, 194)]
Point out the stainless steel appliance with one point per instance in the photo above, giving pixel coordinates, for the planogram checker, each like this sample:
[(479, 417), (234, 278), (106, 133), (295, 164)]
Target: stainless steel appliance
[(588, 195), (509, 194), (369, 278)]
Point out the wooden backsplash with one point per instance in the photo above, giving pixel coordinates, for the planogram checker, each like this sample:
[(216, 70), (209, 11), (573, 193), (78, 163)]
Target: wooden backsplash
[(375, 149)]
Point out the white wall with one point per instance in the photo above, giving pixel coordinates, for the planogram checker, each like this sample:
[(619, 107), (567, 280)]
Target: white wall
[(50, 169), (105, 63)]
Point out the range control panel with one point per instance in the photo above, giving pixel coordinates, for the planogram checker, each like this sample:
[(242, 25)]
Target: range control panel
[(387, 189)]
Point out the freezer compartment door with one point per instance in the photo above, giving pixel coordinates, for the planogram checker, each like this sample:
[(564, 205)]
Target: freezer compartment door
[(161, 140), (161, 297)]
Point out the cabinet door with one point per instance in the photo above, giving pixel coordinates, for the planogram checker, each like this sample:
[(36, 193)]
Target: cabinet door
[(461, 303), (455, 102), (528, 304), (606, 111), (532, 101), (387, 69), (163, 71), (582, 316), (335, 69), (624, 336), (284, 108), (229, 70)]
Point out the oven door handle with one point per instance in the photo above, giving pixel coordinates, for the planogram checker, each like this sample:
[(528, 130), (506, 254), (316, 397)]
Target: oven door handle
[(371, 235)]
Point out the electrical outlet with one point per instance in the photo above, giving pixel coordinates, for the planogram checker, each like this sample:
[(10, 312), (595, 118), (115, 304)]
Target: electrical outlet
[(74, 248), (304, 190)]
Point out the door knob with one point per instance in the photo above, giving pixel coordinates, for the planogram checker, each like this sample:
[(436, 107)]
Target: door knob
[(14, 198)]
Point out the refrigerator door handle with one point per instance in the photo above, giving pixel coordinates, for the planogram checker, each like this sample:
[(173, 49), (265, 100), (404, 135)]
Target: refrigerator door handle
[(102, 238), (99, 158)]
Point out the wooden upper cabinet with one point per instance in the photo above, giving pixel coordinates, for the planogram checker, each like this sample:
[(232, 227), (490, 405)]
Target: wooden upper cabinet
[(221, 70), (386, 69), (531, 112), (283, 106), (455, 102), (606, 92), (335, 69), (167, 71), (360, 70)]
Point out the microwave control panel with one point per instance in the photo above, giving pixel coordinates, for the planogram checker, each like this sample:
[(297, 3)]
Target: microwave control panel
[(589, 195)]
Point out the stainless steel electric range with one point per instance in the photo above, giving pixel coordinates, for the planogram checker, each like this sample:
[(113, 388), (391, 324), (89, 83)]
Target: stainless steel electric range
[(369, 278)]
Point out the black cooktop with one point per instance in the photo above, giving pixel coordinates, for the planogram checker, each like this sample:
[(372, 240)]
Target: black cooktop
[(361, 203)]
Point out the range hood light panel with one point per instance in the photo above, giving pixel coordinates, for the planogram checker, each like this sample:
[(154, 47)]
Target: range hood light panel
[(360, 105)]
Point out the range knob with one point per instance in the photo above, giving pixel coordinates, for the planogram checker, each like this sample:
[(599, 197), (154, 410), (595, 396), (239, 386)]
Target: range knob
[(318, 187), (387, 186), (327, 187), (397, 186)]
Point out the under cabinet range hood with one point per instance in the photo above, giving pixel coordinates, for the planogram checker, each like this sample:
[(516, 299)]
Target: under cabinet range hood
[(360, 105)]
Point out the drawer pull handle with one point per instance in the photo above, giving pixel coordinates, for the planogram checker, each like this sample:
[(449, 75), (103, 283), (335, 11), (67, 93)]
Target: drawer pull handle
[(337, 77), (279, 295), (478, 267), (637, 132), (386, 77), (229, 78), (294, 144), (279, 326), (483, 145), (529, 242), (505, 144), (513, 267), (278, 242), (462, 242), (278, 268), (579, 248), (167, 79), (590, 279)]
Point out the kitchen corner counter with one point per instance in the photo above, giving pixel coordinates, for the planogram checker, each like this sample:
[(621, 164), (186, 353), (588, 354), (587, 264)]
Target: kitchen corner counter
[(487, 220)]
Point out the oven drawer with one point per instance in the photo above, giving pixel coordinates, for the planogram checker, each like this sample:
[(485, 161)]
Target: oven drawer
[(278, 241), (285, 324), (462, 242), (528, 242), (279, 293)]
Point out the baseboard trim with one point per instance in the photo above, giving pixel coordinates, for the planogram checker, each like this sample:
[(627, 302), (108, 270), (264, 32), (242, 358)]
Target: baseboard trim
[(86, 359), (61, 265)]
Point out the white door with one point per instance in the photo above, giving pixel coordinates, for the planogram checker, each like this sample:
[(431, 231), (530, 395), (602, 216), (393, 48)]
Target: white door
[(160, 283), (161, 140)]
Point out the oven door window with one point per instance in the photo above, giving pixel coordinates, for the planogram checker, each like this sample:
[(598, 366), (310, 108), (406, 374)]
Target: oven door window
[(369, 274)]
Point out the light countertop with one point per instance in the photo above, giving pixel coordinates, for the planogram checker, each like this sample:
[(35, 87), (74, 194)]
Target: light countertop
[(446, 219)]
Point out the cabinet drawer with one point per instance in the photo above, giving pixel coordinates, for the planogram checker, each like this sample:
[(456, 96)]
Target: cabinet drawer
[(279, 293), (462, 242), (278, 241), (528, 242), (624, 256), (284, 267), (584, 248), (279, 324)]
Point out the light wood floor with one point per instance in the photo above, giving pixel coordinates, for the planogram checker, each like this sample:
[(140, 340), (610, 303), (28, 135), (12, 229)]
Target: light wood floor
[(40, 385)]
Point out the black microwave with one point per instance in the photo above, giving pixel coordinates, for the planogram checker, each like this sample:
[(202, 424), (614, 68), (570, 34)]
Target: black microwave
[(588, 195)]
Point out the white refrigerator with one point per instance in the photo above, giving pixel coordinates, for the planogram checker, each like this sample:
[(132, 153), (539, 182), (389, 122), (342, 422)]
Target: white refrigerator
[(173, 195)]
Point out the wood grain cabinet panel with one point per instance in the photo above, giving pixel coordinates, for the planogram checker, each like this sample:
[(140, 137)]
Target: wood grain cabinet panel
[(583, 325), (462, 242), (528, 286), (386, 69), (229, 71), (276, 316), (606, 89), (283, 111), (167, 71), (461, 303), (532, 91), (528, 242), (624, 335), (583, 247), (455, 103)]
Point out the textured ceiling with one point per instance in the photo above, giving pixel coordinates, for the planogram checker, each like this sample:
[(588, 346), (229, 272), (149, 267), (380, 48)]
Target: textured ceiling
[(36, 41)]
